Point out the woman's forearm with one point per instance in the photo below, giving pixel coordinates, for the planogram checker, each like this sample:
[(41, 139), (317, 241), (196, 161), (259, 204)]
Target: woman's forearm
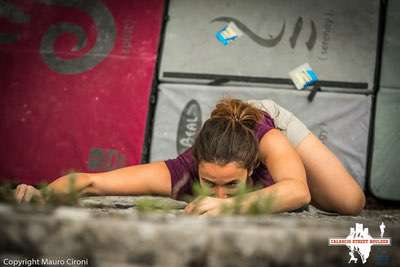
[(75, 182), (152, 178), (284, 196)]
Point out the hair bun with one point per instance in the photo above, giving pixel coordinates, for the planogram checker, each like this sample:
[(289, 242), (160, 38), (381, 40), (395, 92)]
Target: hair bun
[(237, 111), (229, 135)]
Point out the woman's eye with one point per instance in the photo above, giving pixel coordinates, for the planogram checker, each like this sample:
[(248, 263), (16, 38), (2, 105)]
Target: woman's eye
[(208, 183), (232, 185)]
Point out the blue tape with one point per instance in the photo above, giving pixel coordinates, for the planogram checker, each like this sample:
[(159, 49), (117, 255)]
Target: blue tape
[(220, 37)]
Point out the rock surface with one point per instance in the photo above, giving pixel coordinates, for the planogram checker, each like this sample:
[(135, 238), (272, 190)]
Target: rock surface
[(124, 202), (109, 231)]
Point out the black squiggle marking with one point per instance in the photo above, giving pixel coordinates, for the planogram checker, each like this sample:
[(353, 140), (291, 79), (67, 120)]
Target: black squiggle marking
[(259, 40), (106, 34), (296, 32), (313, 37)]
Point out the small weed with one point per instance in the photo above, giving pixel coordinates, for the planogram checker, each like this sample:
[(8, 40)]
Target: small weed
[(150, 205), (48, 197), (56, 199), (7, 193)]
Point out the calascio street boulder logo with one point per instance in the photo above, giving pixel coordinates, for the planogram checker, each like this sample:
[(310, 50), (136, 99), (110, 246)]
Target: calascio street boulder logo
[(359, 242)]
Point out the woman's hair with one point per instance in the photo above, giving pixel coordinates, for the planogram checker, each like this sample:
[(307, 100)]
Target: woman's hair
[(228, 135)]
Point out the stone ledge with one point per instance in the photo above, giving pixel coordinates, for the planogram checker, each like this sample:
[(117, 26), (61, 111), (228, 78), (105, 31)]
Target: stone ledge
[(124, 202), (124, 237)]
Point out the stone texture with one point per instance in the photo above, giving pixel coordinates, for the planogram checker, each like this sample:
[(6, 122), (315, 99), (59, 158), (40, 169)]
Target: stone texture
[(123, 237), (124, 202)]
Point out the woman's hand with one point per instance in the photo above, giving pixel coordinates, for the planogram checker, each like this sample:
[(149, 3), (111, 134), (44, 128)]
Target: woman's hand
[(207, 206), (25, 193)]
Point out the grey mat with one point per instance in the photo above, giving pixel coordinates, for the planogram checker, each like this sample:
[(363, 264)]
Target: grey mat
[(385, 169), (390, 74), (341, 121), (338, 39), (385, 172)]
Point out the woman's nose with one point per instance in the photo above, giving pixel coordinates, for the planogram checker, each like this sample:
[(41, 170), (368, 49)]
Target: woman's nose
[(220, 192)]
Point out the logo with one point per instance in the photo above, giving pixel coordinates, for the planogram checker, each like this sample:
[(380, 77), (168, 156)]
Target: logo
[(360, 242), (105, 159), (95, 9), (189, 125)]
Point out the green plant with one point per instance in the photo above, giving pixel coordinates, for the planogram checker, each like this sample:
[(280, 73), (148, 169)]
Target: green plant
[(7, 193), (56, 199), (151, 205), (263, 205)]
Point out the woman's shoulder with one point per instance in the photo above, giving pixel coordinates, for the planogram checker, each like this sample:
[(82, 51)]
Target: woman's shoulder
[(183, 171), (264, 125)]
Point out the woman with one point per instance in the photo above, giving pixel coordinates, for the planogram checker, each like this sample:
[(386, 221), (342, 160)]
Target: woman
[(254, 142)]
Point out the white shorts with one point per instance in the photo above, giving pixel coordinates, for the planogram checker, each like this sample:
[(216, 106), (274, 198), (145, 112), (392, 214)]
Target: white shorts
[(284, 120)]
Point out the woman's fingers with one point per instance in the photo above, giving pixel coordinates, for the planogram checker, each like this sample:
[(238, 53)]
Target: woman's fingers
[(200, 208), (28, 193), (190, 208), (206, 208), (25, 193), (210, 213), (20, 192)]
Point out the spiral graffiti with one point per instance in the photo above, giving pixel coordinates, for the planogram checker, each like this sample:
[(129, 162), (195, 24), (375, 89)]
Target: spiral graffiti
[(106, 34), (14, 15)]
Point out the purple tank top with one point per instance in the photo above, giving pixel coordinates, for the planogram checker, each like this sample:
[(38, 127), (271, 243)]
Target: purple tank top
[(184, 171)]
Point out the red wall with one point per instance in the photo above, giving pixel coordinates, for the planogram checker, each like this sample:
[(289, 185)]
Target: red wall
[(82, 109)]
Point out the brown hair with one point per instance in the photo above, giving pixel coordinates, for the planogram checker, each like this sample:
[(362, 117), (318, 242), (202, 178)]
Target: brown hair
[(228, 135)]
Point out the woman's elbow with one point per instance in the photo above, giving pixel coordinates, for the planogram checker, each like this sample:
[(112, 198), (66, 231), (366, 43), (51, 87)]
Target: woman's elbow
[(303, 195), (306, 198), (90, 185), (353, 204)]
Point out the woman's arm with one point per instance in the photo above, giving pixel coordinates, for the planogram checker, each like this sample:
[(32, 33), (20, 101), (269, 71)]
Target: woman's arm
[(290, 190), (153, 178)]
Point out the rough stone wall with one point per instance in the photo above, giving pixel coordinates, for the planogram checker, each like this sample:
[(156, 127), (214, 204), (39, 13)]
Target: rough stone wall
[(110, 232)]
